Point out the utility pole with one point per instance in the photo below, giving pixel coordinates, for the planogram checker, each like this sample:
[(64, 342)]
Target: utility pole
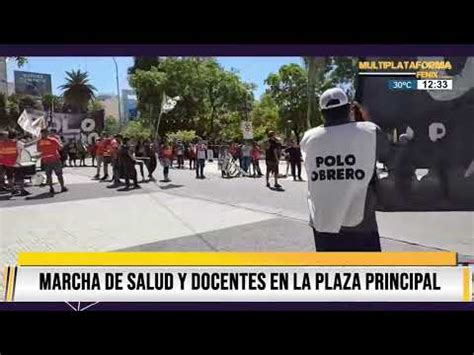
[(118, 92)]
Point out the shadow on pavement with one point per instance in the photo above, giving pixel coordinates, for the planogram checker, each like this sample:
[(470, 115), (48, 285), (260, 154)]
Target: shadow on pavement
[(39, 197), (277, 189), (5, 197), (170, 186)]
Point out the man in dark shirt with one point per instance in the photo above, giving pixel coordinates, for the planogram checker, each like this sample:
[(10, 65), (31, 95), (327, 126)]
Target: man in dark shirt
[(296, 158), (127, 164), (272, 158)]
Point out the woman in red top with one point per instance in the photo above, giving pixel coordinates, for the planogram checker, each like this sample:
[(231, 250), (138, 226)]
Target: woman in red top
[(166, 157)]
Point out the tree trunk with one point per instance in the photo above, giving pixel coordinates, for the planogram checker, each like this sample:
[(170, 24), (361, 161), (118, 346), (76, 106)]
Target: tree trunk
[(315, 67)]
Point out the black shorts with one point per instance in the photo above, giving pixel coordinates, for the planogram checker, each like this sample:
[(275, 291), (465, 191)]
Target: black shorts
[(55, 166), (107, 159), (272, 166)]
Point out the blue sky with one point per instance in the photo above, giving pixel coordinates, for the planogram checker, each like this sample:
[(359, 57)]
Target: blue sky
[(102, 69)]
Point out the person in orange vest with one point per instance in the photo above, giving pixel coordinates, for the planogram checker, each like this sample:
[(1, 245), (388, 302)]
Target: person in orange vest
[(166, 158), (108, 147), (100, 146), (10, 165), (115, 145), (49, 146)]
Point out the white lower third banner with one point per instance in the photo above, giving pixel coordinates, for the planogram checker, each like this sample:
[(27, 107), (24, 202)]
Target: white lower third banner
[(241, 284)]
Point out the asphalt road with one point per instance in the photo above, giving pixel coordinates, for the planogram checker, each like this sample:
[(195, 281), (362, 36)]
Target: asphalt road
[(239, 214)]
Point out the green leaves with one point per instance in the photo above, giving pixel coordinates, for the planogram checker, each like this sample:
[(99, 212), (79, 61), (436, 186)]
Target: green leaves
[(111, 125), (209, 95), (136, 130), (185, 136), (289, 90)]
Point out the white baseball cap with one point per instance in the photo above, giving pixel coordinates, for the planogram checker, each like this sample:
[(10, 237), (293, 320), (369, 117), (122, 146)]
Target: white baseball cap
[(333, 98)]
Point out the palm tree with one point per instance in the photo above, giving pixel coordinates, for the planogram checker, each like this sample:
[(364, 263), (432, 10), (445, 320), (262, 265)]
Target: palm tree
[(51, 102), (77, 91)]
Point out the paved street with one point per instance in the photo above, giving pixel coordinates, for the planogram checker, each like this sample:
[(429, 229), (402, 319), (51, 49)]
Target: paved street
[(187, 214)]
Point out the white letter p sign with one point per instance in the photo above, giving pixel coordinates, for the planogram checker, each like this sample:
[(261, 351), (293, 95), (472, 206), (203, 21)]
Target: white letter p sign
[(436, 131)]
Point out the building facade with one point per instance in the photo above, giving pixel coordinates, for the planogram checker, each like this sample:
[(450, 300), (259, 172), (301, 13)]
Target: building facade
[(129, 105), (110, 105), (3, 76)]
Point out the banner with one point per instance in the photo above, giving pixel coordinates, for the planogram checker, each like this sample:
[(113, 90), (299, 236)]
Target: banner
[(34, 84), (431, 135), (238, 277), (240, 284), (84, 126)]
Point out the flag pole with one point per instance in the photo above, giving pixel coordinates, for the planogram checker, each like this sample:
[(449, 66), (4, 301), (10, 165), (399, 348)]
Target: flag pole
[(158, 124), (159, 116)]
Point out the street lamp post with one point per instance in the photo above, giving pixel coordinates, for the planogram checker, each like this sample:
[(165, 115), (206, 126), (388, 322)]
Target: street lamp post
[(118, 91)]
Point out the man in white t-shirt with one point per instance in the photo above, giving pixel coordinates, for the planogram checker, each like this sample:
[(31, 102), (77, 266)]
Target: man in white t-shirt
[(340, 158)]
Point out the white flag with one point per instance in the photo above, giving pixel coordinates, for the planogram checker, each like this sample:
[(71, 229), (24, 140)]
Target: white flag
[(31, 125), (169, 103)]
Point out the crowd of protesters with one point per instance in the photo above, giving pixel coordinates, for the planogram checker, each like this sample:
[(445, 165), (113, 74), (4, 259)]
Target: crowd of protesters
[(117, 158)]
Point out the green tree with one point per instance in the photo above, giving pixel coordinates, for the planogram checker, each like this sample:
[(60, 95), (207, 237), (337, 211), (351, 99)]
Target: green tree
[(316, 67), (265, 117), (289, 89), (209, 95), (50, 101), (28, 102), (136, 130), (149, 85), (77, 91), (342, 71), (95, 105), (185, 136), (111, 125), (143, 63), (20, 61), (324, 73)]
